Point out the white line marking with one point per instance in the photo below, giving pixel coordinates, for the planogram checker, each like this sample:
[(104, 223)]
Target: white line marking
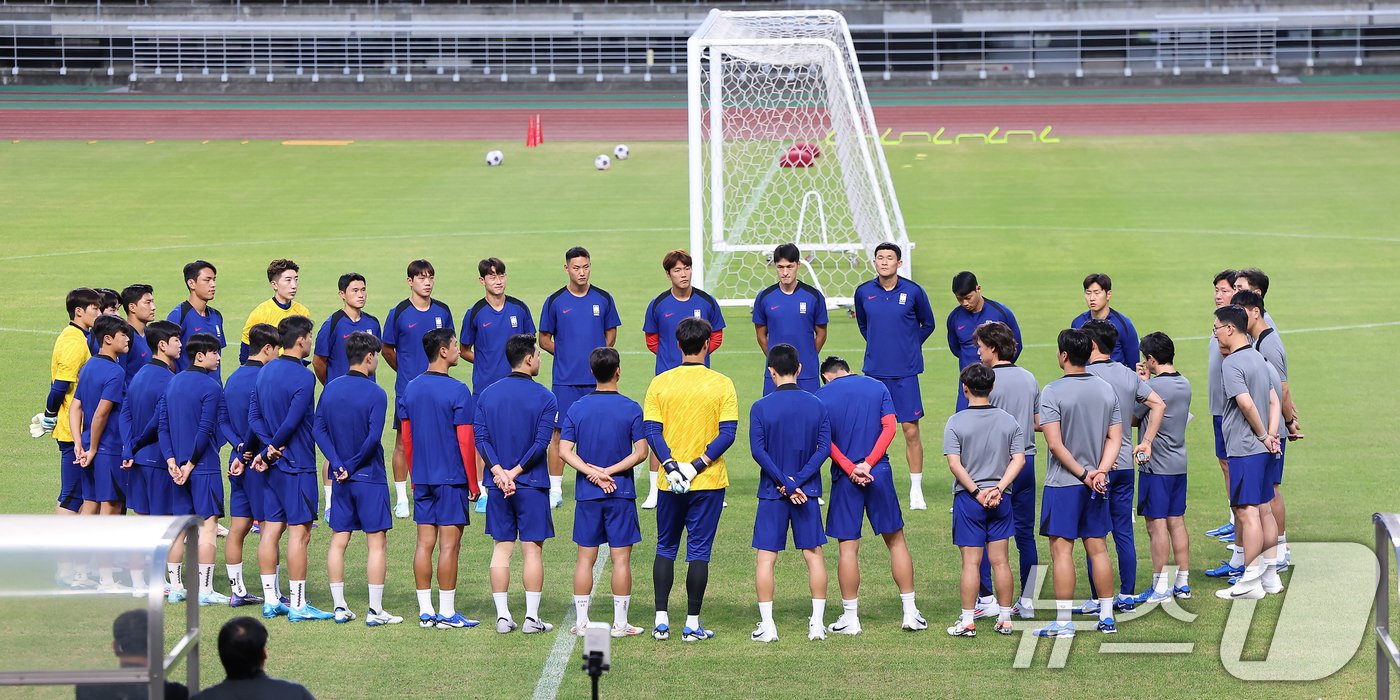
[(564, 641), (27, 330), (1157, 231)]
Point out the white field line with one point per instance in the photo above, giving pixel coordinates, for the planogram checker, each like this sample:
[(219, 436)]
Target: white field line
[(563, 652)]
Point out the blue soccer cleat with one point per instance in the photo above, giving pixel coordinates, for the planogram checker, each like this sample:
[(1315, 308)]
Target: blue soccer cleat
[(481, 502), (307, 612), (1124, 603), (214, 598), (176, 595), (1226, 529), (1225, 571), (1182, 592), (1090, 607), (1055, 629), (661, 632), (238, 601), (271, 610), (1227, 539), (696, 634), (457, 621), (1107, 626), (343, 615), (1151, 595), (427, 620)]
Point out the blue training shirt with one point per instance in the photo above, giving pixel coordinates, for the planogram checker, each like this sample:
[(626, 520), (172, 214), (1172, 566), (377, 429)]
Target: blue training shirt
[(962, 323), (603, 426), (665, 312), (514, 423), (486, 330), (579, 325), (792, 319), (349, 427), (191, 322), (404, 329), (789, 438), (855, 405), (282, 410), (330, 340), (434, 404), (1126, 351), (136, 356), (238, 392), (189, 420), (895, 324), (102, 379), (139, 420)]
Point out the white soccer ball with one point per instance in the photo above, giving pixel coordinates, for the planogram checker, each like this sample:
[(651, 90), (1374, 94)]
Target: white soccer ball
[(495, 158), (621, 152), (602, 162)]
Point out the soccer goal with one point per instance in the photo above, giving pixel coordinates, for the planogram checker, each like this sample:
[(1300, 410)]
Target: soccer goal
[(784, 148)]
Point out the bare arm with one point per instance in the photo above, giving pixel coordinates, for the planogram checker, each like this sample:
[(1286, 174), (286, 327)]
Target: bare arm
[(610, 336), (1111, 446), (469, 353), (639, 455), (321, 367), (547, 342), (762, 332), (821, 337), (1156, 409), (99, 422), (960, 474), (391, 355)]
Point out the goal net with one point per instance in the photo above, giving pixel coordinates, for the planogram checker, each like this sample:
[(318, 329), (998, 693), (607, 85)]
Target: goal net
[(784, 149)]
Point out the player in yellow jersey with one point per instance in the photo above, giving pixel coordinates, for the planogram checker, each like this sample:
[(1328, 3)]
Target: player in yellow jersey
[(70, 353), (691, 416), (282, 275)]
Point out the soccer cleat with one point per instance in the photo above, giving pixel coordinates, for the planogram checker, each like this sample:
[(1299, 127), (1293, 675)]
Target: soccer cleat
[(401, 510), (1055, 629), (845, 625), (1182, 592), (213, 598), (650, 502), (1225, 529), (1090, 607), (481, 502), (307, 612), (1004, 627), (914, 623), (1124, 603), (1025, 612), (916, 501), (761, 633), (661, 633), (1271, 584), (221, 531), (327, 516), (556, 499), (378, 618), (1225, 571), (256, 529), (271, 610), (505, 625), (980, 612), (1107, 626), (726, 504), (1236, 592), (457, 621), (176, 595), (1153, 595), (626, 630), (238, 601), (115, 587), (820, 502), (427, 620), (1227, 539), (816, 631), (534, 626), (577, 630), (343, 615), (961, 630), (697, 634)]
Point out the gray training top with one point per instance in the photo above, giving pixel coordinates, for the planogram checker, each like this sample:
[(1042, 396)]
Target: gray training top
[(1017, 393), (985, 438), (1244, 371), (1131, 391), (1085, 407), (1270, 345), (1169, 449), (1216, 393)]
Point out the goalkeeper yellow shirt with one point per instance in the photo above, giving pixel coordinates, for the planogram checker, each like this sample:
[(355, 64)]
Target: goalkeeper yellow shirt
[(690, 402), (70, 353), (272, 313)]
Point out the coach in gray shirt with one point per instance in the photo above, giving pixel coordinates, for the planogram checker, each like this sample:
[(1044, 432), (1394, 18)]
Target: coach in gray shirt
[(243, 651), (1162, 485)]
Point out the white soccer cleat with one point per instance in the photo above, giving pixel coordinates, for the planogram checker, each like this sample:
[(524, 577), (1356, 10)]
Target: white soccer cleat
[(377, 618), (626, 630), (505, 625), (116, 588), (401, 510), (1241, 591), (221, 531), (344, 615), (1004, 627), (914, 623), (916, 501), (534, 626), (1025, 612), (816, 630), (726, 504), (1090, 607), (961, 630), (650, 502), (845, 625), (556, 499), (1271, 583), (985, 611), (820, 502), (764, 633)]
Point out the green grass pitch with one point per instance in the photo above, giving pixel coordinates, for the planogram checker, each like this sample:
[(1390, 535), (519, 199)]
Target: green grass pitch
[(1160, 214)]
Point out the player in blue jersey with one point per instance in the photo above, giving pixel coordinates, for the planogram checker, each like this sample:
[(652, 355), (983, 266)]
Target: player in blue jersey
[(195, 315), (514, 420), (664, 313), (895, 319), (189, 442), (1098, 292), (602, 439), (793, 312), (972, 311), (328, 357), (138, 303), (146, 494), (280, 418), (437, 414), (573, 321), (247, 486), (790, 439), (349, 429), (94, 415), (405, 326)]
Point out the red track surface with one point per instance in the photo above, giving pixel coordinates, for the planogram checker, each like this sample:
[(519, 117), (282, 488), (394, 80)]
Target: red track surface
[(670, 124)]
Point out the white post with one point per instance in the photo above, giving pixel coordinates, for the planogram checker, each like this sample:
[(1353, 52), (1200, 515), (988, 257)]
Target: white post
[(716, 145), (697, 184)]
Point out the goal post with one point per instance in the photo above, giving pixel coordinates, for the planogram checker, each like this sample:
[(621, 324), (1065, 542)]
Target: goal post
[(783, 148)]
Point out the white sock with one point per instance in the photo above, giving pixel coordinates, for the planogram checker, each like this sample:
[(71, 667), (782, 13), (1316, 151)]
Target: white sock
[(818, 609), (1237, 558), (907, 600), (916, 483), (502, 605), (532, 604), (235, 579), (298, 595), (662, 618), (278, 581), (376, 597), (581, 610), (107, 575), (765, 614), (174, 574), (1004, 615), (1182, 577), (692, 621), (850, 609), (269, 585), (621, 604), (447, 602), (206, 578), (1282, 544), (425, 601), (138, 578), (1063, 610), (1159, 583), (652, 481), (966, 618), (327, 489), (1105, 608), (401, 490), (338, 595), (556, 483)]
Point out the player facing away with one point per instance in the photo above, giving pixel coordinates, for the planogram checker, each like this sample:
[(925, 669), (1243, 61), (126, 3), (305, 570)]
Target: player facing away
[(862, 426), (790, 439), (691, 415), (1083, 426), (349, 429), (985, 450), (603, 439), (1251, 425), (94, 414), (195, 315), (437, 415), (664, 313), (246, 486), (1016, 392), (515, 418), (329, 360), (70, 353), (280, 416), (1132, 391), (573, 321), (1162, 482), (1224, 289), (972, 311), (138, 303), (282, 276), (189, 443), (895, 319), (793, 312), (1098, 292)]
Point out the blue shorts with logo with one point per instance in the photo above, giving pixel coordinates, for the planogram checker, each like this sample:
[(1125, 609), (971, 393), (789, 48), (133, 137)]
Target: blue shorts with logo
[(564, 396), (878, 502), (975, 526), (443, 505), (908, 401), (1161, 495), (110, 481), (361, 505), (775, 516), (524, 516), (610, 521), (290, 497), (1073, 512)]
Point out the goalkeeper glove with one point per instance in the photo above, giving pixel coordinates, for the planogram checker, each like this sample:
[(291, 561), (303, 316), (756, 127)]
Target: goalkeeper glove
[(677, 480), (42, 423), (690, 469)]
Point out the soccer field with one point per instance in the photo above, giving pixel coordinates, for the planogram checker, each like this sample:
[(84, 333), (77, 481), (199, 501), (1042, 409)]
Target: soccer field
[(1159, 214)]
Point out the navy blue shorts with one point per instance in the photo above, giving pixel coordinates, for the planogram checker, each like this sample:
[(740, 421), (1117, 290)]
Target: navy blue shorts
[(975, 526), (1161, 495), (564, 396), (207, 493), (904, 392), (697, 513), (1250, 480), (177, 497), (70, 478), (290, 497), (255, 490), (442, 505), (138, 489), (524, 516), (238, 504), (1218, 422), (158, 490), (775, 516), (1073, 512), (878, 502), (110, 482), (610, 521), (361, 505), (1276, 467)]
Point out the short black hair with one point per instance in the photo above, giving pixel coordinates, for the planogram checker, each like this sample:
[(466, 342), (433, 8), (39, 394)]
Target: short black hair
[(604, 363), (81, 298), (133, 294), (577, 251), (1159, 347), (964, 283), (997, 336), (978, 378), (359, 345), (491, 266), (291, 329), (200, 342), (1257, 280), (110, 298), (242, 646), (782, 358), (833, 363), (110, 325), (788, 252), (1227, 275), (898, 252), (349, 277), (692, 334), (1075, 344), (435, 340), (158, 332), (259, 336), (129, 633), (421, 267), (1102, 333), (1100, 279), (519, 347), (279, 266), (193, 269), (1233, 315), (1249, 299)]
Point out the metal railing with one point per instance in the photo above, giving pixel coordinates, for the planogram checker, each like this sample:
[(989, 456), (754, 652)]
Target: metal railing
[(1387, 654), (599, 50)]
